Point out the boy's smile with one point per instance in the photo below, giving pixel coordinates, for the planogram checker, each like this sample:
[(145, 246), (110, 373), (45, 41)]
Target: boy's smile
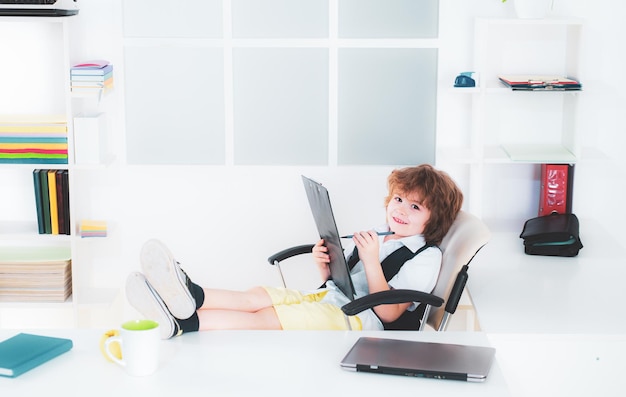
[(406, 216)]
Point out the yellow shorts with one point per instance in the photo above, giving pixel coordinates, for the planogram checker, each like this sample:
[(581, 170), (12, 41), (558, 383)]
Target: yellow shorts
[(297, 311)]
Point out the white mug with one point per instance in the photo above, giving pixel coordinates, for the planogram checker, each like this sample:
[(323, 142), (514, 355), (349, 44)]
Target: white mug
[(138, 342)]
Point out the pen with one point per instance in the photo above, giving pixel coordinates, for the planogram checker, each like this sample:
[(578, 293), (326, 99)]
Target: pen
[(379, 233)]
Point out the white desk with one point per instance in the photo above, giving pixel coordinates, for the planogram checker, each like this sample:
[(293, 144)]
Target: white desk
[(556, 323), (517, 293), (241, 363), (568, 365)]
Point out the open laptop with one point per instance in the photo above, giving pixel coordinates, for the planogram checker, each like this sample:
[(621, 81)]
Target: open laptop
[(319, 200), (420, 359)]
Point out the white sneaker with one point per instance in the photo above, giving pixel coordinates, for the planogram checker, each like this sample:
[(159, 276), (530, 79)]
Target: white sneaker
[(144, 298), (168, 279)]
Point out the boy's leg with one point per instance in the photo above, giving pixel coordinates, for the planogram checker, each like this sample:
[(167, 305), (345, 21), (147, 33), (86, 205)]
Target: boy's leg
[(252, 300), (164, 274), (272, 309), (264, 319), (224, 309)]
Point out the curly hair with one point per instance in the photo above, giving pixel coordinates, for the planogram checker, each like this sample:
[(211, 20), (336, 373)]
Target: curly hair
[(437, 191)]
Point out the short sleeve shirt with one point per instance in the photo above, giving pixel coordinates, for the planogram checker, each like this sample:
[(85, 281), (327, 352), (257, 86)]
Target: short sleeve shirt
[(419, 273)]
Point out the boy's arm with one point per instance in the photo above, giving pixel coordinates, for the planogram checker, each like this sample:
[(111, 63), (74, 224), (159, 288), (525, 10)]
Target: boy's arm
[(368, 246)]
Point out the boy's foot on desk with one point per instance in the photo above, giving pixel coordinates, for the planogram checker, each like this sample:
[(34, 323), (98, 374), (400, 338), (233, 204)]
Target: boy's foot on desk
[(145, 299), (169, 280)]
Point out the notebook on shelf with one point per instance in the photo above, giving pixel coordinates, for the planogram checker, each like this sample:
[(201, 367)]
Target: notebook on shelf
[(420, 359), (532, 82)]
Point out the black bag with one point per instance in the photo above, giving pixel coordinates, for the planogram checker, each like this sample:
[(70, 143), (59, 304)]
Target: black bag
[(552, 235)]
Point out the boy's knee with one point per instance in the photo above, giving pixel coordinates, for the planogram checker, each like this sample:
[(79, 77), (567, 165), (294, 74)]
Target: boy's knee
[(257, 291), (258, 298)]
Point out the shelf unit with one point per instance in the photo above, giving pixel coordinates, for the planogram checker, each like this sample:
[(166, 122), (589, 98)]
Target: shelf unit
[(38, 63), (508, 128)]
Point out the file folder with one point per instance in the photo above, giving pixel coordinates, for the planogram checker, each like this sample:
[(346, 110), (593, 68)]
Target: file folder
[(556, 189)]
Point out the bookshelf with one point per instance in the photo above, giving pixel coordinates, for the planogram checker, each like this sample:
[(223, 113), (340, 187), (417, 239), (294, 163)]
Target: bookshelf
[(35, 71), (517, 130)]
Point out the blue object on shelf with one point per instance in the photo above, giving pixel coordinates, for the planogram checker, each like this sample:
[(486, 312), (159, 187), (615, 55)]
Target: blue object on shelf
[(465, 80)]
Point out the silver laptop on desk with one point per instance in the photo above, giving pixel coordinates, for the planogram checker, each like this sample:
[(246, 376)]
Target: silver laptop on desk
[(420, 359)]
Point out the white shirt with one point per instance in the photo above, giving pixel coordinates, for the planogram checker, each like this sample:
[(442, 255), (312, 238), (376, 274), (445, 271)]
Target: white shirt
[(419, 273)]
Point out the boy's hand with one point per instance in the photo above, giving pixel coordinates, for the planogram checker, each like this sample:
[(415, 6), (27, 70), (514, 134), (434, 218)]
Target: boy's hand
[(322, 259), (367, 244)]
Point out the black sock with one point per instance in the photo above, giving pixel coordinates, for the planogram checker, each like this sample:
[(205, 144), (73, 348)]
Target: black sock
[(191, 324), (198, 294)]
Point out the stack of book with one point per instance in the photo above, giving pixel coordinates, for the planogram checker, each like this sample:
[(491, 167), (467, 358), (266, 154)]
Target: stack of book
[(92, 228), (540, 83), (35, 274), (52, 200), (33, 141), (93, 77)]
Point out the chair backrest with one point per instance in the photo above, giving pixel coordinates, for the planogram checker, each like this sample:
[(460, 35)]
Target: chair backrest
[(466, 237)]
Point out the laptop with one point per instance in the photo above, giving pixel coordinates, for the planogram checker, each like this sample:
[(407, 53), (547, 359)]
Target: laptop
[(319, 201), (420, 359)]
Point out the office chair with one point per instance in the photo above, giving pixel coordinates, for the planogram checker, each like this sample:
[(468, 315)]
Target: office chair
[(466, 237)]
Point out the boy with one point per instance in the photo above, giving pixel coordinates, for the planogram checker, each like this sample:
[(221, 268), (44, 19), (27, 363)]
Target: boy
[(421, 205)]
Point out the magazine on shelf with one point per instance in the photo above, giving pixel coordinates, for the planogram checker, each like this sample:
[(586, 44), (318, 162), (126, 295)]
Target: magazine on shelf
[(526, 82)]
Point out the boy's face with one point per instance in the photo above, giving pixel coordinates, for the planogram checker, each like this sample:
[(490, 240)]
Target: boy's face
[(406, 215)]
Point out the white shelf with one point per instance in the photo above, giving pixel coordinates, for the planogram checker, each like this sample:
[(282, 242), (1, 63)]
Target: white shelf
[(494, 86), (36, 305), (530, 22), (46, 40), (510, 154), (28, 231), (507, 127), (537, 153)]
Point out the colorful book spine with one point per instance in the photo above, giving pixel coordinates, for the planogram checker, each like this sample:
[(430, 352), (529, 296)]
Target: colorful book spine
[(52, 200), (38, 201), (58, 176), (33, 142), (54, 210), (65, 192), (45, 201)]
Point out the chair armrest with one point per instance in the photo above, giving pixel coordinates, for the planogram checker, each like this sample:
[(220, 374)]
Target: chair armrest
[(289, 252), (457, 290), (389, 297)]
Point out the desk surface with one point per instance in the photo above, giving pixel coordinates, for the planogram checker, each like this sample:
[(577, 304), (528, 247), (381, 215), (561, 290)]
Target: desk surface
[(514, 292), (239, 363), (568, 365)]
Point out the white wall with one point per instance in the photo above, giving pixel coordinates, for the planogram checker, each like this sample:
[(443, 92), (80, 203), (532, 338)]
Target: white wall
[(222, 222)]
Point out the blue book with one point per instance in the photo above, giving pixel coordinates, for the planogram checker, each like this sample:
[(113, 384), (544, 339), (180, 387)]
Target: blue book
[(24, 352)]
